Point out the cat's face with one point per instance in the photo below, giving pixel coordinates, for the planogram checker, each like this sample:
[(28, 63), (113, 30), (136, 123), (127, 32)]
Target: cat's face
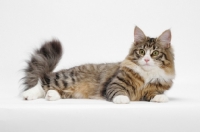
[(151, 53)]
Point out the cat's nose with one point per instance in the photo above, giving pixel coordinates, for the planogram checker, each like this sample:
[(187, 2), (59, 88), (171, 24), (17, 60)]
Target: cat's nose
[(146, 60)]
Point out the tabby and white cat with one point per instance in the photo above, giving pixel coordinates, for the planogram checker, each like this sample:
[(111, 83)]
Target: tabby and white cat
[(145, 74)]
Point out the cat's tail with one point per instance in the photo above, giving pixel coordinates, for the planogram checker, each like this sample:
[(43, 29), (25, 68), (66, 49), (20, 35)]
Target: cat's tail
[(42, 62)]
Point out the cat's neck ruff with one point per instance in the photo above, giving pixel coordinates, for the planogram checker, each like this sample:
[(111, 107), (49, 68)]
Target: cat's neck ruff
[(153, 76)]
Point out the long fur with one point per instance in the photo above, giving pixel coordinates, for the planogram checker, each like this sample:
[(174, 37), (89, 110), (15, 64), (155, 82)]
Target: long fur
[(129, 80), (42, 62)]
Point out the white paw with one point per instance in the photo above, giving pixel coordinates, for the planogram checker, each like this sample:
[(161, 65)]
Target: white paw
[(52, 95), (160, 98), (33, 93), (121, 99)]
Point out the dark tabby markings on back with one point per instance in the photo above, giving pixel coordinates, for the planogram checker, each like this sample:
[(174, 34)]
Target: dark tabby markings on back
[(57, 76), (56, 82), (72, 76), (65, 84), (64, 75)]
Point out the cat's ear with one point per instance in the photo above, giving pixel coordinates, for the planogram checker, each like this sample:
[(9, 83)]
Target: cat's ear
[(139, 35), (165, 38)]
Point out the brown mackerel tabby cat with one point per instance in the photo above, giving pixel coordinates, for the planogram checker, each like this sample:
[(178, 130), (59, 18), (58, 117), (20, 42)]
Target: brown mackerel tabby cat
[(145, 74)]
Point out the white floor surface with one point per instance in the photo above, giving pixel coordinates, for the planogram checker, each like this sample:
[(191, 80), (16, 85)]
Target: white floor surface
[(180, 114)]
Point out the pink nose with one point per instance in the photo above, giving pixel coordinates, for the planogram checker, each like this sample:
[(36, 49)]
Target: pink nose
[(146, 60)]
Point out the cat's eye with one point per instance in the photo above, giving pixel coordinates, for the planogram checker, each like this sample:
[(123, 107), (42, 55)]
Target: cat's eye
[(155, 53), (141, 52)]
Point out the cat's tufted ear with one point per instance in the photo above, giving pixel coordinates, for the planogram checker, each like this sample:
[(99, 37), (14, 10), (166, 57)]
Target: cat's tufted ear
[(139, 36), (165, 38)]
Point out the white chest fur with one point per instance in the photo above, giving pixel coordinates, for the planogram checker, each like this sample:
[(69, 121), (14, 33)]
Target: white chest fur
[(155, 75)]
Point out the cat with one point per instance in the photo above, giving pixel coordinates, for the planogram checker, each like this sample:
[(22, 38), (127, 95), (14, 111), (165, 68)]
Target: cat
[(144, 75)]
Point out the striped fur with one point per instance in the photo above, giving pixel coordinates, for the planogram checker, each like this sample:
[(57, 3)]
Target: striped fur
[(132, 78)]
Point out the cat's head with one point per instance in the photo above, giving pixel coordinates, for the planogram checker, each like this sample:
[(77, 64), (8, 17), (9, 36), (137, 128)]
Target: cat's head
[(150, 53)]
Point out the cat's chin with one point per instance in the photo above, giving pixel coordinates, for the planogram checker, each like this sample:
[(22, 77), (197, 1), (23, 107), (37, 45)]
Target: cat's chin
[(147, 67)]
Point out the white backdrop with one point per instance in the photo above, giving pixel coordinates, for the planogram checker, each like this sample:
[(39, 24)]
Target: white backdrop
[(93, 31)]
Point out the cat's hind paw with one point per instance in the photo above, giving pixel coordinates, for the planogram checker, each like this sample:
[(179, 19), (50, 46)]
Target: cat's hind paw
[(52, 95), (160, 98), (30, 95), (33, 93), (121, 99)]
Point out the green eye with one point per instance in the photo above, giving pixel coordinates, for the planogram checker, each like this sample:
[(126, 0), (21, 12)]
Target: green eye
[(155, 53), (141, 52)]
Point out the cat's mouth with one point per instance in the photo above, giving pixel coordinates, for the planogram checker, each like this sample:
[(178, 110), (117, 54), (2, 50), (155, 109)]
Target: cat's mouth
[(147, 67), (146, 64)]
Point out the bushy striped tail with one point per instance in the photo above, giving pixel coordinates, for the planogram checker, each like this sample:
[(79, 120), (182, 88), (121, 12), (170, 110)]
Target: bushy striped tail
[(42, 62)]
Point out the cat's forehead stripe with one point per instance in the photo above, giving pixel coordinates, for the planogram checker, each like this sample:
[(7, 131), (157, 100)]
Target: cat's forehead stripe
[(151, 40), (150, 43)]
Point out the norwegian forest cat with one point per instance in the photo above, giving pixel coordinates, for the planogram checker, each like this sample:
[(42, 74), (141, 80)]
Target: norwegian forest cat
[(144, 75)]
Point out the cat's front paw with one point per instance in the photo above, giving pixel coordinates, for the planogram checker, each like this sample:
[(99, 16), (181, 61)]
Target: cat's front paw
[(52, 95), (121, 99), (160, 98)]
